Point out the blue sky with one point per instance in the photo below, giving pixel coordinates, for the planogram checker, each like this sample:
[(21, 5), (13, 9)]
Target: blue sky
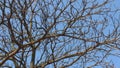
[(116, 60)]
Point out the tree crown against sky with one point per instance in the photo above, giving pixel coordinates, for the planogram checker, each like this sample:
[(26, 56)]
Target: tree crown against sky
[(58, 33)]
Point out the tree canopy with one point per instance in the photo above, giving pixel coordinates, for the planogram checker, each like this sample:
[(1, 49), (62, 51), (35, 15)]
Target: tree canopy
[(58, 33)]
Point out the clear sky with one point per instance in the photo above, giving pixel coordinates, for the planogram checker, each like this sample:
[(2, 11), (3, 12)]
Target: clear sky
[(115, 60)]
